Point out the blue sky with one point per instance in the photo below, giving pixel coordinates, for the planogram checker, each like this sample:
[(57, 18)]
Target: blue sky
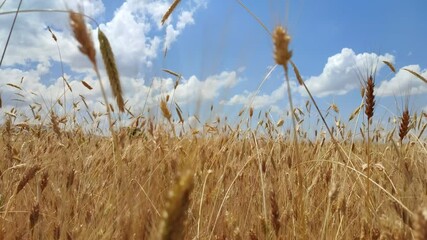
[(223, 54)]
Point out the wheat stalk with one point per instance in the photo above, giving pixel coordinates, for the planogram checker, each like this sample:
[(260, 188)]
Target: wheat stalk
[(369, 98), (416, 74), (281, 40), (43, 182), (369, 112), (55, 124), (404, 124), (87, 48), (282, 56), (170, 10), (390, 65), (10, 32), (165, 110), (27, 177), (34, 216), (172, 222), (420, 225), (110, 66), (82, 35), (275, 213)]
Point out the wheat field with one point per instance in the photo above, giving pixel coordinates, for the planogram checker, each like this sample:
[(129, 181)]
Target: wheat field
[(156, 179)]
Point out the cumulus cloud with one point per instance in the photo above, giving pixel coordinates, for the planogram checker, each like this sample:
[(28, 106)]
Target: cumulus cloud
[(193, 89), (140, 94), (128, 33), (341, 72), (260, 101), (404, 83), (30, 35), (172, 33), (136, 36), (135, 32)]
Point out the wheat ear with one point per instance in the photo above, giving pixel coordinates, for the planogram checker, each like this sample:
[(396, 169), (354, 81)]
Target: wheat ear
[(421, 225), (275, 213), (27, 177), (369, 98), (172, 222), (111, 67), (82, 35), (170, 10), (404, 124)]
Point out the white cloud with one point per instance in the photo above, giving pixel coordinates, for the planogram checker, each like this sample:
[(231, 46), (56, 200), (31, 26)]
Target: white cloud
[(404, 83), (193, 89), (340, 74), (172, 33), (31, 42), (260, 101), (137, 91), (128, 34), (189, 91), (135, 34)]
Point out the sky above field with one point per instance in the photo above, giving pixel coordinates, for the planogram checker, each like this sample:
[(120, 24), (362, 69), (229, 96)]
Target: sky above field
[(222, 53)]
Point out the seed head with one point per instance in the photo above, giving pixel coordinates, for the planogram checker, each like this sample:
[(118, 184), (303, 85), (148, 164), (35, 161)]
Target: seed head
[(404, 124), (281, 40), (83, 36), (369, 97), (165, 110)]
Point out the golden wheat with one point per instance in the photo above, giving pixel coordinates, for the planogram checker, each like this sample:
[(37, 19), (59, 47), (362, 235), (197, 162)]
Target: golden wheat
[(421, 225), (28, 175), (282, 54), (165, 110), (404, 124), (369, 98), (172, 224), (83, 36), (86, 189), (170, 10), (112, 72)]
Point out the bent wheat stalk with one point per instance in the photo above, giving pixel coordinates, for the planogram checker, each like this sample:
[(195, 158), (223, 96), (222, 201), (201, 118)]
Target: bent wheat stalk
[(10, 32)]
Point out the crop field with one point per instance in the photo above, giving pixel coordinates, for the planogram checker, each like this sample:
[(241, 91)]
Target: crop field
[(154, 176)]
